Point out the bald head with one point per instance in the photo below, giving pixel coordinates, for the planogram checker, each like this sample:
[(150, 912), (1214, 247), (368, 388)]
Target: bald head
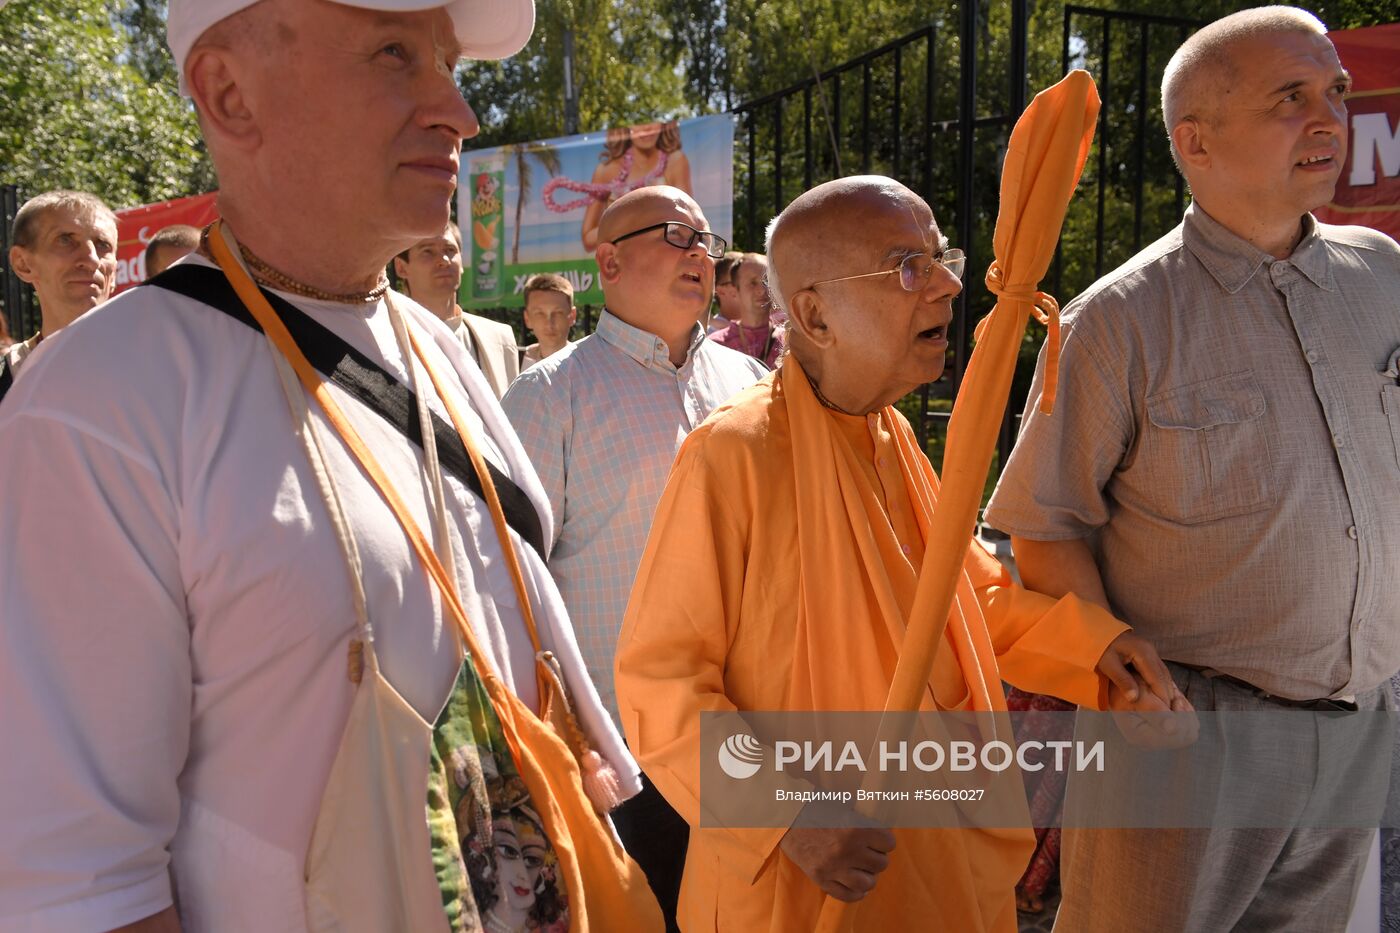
[(1204, 70), (855, 264), (647, 206), (647, 280), (832, 219)]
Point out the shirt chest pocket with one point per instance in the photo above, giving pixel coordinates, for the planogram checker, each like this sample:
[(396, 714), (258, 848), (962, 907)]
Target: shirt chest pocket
[(1390, 400), (1207, 448)]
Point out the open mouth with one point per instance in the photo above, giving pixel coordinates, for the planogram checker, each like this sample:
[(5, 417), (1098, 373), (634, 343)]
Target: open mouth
[(691, 277), (934, 333), (1315, 160)]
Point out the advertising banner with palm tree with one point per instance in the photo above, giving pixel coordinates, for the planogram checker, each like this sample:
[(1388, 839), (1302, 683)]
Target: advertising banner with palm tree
[(534, 207)]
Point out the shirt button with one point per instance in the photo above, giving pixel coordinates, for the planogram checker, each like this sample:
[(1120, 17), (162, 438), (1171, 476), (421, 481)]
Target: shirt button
[(1338, 441), (906, 549), (880, 461), (1312, 356), (1352, 533)]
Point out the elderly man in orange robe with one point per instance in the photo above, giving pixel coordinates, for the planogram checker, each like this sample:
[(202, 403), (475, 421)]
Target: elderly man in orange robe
[(783, 562)]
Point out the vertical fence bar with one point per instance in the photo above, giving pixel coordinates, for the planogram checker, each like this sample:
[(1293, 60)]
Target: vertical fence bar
[(928, 119), (1020, 16), (777, 158), (836, 125), (898, 88), (807, 137), (21, 314), (1103, 154), (967, 228), (1140, 156), (865, 117), (1058, 268), (1064, 41), (753, 174)]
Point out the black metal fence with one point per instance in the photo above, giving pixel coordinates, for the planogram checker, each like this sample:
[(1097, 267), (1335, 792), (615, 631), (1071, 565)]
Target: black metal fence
[(21, 314), (911, 110), (934, 110), (1131, 193)]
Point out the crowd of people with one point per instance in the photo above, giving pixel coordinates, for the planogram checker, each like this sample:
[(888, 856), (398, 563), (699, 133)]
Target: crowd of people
[(325, 605)]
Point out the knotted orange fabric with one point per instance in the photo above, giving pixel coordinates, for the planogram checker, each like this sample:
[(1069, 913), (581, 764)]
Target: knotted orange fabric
[(1043, 162), (776, 578)]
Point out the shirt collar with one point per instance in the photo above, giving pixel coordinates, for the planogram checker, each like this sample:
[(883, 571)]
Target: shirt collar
[(644, 347), (1232, 260)]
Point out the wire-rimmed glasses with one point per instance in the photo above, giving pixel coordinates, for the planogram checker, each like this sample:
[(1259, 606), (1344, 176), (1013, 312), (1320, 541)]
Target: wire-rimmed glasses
[(914, 269)]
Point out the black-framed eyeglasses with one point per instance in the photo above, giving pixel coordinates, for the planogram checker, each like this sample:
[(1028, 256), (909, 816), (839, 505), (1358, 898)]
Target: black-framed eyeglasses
[(683, 236), (914, 270)]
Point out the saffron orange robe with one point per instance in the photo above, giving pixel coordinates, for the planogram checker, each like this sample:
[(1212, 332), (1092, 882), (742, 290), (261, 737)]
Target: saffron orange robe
[(781, 566)]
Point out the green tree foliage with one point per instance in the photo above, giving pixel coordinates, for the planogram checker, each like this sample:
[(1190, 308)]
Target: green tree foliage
[(626, 70), (144, 21), (76, 112)]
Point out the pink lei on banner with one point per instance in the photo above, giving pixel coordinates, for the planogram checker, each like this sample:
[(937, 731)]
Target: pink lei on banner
[(595, 192)]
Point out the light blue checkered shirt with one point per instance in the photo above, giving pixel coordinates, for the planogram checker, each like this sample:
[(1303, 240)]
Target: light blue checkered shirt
[(602, 421)]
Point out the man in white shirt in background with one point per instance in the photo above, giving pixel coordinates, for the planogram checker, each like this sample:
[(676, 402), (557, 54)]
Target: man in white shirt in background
[(430, 272)]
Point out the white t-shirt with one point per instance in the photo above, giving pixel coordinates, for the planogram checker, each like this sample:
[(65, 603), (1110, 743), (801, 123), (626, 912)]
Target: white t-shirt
[(175, 611)]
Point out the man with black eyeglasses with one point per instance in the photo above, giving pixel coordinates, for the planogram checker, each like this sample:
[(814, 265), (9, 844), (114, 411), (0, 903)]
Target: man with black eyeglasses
[(603, 419)]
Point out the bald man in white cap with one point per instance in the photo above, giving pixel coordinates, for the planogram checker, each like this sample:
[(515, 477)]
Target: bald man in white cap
[(232, 675)]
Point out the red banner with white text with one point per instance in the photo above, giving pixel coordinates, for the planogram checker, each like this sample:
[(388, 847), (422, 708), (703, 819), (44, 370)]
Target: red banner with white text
[(136, 226), (1368, 193)]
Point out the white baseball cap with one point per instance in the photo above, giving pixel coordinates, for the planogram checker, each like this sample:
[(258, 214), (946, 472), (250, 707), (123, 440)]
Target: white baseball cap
[(486, 29)]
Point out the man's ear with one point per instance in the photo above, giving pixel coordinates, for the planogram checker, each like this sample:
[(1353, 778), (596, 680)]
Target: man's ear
[(1189, 138), (401, 270), (609, 269), (806, 312), (215, 84), (19, 261)]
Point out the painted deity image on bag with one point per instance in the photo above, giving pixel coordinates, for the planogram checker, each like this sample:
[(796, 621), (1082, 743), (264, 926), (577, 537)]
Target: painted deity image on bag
[(495, 864)]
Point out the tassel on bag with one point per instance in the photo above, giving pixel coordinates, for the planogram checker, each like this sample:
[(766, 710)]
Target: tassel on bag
[(600, 780)]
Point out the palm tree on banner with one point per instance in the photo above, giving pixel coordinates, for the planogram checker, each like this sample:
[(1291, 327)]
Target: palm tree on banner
[(548, 157)]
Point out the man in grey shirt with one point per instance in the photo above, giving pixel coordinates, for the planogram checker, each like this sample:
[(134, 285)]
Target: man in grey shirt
[(1221, 468)]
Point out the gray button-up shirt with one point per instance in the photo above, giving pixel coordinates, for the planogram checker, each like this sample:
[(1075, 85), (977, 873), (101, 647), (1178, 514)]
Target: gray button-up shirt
[(1227, 437), (601, 421)]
